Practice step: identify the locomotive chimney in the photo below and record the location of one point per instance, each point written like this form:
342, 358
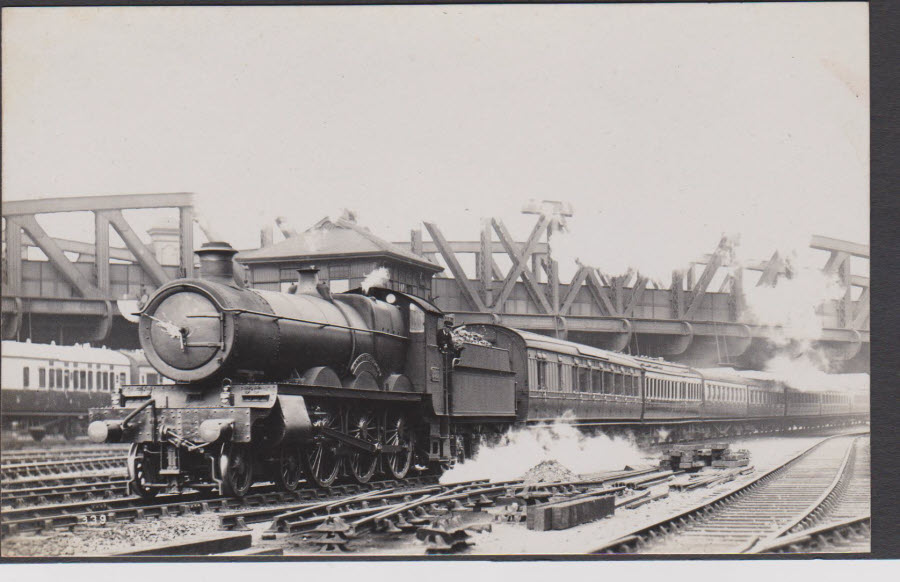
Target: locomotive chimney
309, 280
216, 262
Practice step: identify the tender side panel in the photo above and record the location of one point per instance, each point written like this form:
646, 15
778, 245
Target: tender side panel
483, 383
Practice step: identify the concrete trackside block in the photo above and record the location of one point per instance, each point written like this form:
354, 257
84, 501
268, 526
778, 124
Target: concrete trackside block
566, 514
201, 545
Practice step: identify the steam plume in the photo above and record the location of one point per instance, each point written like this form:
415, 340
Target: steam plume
376, 278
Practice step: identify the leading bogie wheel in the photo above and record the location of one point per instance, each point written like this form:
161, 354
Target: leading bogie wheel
236, 469
321, 462
397, 433
364, 426
143, 469
290, 468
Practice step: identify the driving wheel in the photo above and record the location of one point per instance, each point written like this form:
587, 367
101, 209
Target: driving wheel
320, 459
362, 425
236, 468
397, 433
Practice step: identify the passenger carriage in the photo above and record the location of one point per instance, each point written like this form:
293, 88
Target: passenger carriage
671, 390
49, 388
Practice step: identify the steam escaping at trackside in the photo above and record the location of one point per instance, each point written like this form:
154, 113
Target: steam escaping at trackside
376, 278
521, 449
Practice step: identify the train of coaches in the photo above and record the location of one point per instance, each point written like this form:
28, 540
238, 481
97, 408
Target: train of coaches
48, 389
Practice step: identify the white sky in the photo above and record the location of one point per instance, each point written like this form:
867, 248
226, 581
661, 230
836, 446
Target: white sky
665, 126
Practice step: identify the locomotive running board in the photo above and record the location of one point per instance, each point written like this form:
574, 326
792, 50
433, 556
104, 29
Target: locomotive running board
353, 393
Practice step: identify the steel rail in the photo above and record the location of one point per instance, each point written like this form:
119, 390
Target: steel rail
19, 470
696, 515
839, 477
60, 480
811, 540
65, 493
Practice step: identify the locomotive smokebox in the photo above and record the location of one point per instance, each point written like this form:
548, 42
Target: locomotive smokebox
216, 262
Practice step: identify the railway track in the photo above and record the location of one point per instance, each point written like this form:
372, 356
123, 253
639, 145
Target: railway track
38, 455
46, 518
29, 484
19, 470
806, 489
44, 495
443, 516
844, 536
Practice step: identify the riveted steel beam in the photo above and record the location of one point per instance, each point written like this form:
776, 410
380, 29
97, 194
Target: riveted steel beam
698, 292
13, 275
825, 243
86, 250
463, 247
520, 264
485, 264
94, 203
55, 255
636, 294
861, 313
143, 255
101, 253
459, 275
574, 287
599, 292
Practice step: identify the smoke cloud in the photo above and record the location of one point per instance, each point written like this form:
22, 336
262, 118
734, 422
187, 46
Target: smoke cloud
521, 449
376, 278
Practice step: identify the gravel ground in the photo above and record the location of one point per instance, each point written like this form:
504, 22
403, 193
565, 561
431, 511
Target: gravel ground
108, 539
765, 453
504, 538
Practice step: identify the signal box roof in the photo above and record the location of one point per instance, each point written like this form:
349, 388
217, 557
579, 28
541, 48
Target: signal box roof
334, 238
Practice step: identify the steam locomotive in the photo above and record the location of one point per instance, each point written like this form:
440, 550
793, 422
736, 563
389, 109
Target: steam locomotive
285, 386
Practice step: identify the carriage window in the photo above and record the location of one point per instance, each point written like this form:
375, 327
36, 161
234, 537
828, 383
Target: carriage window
25, 376
541, 375
584, 379
152, 379
59, 379
67, 379
565, 378
75, 379
122, 379
90, 378
42, 377
52, 375
596, 381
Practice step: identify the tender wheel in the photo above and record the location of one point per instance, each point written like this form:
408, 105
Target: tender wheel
398, 434
362, 425
290, 469
236, 468
320, 460
143, 469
